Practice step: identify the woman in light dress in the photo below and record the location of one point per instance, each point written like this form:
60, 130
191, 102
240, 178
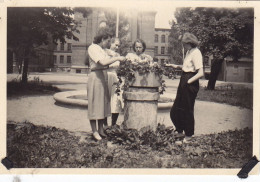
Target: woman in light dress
97, 88
116, 100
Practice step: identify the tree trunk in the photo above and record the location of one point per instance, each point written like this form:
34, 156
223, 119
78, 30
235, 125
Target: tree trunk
215, 69
25, 67
20, 62
9, 61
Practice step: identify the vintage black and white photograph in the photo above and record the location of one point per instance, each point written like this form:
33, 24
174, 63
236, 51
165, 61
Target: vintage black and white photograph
170, 87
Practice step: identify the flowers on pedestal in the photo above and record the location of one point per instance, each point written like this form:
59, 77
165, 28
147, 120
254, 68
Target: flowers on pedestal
142, 64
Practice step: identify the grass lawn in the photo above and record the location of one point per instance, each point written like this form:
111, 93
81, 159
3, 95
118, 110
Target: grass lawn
241, 97
16, 88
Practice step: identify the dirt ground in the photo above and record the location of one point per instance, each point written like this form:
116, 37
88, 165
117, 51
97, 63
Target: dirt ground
42, 110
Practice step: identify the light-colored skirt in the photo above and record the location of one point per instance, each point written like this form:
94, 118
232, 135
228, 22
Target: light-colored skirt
116, 100
98, 95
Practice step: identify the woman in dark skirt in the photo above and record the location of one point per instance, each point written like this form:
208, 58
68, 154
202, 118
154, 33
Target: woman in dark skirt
182, 111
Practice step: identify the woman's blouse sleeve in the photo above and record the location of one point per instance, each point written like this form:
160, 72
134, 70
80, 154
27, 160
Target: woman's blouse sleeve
96, 53
197, 59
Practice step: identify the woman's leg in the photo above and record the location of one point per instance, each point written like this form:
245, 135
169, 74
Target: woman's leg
114, 118
105, 122
191, 94
93, 125
94, 130
177, 111
101, 127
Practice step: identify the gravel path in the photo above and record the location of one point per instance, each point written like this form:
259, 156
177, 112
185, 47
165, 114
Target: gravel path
41, 110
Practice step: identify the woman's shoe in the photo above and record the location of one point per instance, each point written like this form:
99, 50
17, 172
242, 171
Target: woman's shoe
97, 136
178, 135
178, 142
187, 139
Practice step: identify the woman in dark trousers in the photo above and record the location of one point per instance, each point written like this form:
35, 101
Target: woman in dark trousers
182, 111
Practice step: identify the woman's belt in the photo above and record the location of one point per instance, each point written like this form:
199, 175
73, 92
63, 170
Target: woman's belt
192, 73
99, 69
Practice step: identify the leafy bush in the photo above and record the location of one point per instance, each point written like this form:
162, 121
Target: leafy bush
30, 146
36, 86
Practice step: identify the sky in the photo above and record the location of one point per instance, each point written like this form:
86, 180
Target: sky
163, 16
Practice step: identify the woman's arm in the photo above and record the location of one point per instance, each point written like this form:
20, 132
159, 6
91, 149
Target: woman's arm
109, 60
174, 66
97, 54
197, 76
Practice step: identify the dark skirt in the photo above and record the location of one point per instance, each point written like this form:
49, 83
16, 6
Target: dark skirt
182, 111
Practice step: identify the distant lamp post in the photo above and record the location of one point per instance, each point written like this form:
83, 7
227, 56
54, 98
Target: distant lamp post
117, 21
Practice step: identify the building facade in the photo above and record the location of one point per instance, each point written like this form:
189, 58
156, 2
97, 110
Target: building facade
62, 56
162, 48
141, 25
237, 71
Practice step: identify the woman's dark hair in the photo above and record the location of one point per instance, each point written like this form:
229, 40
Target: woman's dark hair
114, 39
139, 41
101, 35
193, 45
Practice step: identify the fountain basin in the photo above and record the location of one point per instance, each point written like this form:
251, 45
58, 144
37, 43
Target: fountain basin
79, 98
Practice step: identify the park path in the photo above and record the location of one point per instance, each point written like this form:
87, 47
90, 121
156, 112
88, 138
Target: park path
41, 110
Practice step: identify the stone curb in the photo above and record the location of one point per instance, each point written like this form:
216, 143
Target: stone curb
63, 97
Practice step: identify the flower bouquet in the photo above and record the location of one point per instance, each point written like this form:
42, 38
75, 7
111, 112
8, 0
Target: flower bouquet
135, 66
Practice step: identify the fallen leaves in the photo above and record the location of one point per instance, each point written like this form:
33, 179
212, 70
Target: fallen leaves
30, 146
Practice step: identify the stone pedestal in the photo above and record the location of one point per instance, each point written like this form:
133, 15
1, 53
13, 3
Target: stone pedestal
141, 102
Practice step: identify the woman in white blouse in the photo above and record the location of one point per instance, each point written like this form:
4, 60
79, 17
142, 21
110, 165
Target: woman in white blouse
182, 111
97, 89
116, 100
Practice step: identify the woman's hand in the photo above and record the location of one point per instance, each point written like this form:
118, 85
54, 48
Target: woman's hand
197, 76
121, 58
172, 65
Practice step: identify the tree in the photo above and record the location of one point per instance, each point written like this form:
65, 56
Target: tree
110, 15
29, 28
222, 31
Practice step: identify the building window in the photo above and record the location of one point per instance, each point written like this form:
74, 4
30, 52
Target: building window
156, 50
163, 39
69, 46
62, 47
156, 38
56, 47
61, 59
162, 50
54, 59
68, 59
235, 72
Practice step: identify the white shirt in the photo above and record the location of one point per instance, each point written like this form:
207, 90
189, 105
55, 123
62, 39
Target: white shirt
96, 54
192, 61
